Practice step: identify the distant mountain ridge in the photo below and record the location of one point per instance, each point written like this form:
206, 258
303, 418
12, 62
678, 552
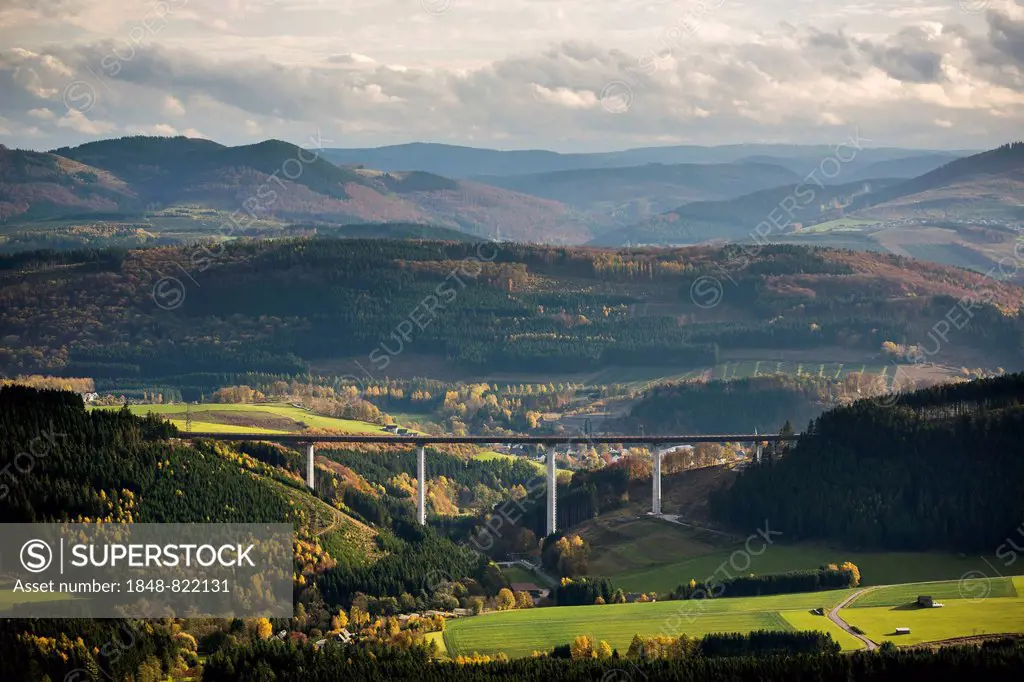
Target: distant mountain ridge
37, 185
737, 219
634, 192
271, 180
465, 162
991, 182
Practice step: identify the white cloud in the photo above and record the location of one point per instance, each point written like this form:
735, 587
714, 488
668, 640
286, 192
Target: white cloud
565, 97
173, 106
42, 114
80, 123
157, 129
523, 73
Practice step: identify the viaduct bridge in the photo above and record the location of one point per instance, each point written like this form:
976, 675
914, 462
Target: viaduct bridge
657, 443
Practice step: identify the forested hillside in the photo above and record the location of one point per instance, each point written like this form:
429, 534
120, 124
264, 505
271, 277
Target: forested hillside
132, 181
112, 465
285, 306
737, 219
1007, 160
739, 406
939, 469
34, 185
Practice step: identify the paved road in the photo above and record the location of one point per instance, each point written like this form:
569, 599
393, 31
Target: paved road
834, 616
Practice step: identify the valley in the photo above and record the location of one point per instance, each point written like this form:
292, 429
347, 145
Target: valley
142, 301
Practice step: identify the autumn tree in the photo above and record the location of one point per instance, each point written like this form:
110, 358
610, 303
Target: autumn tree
583, 647
505, 601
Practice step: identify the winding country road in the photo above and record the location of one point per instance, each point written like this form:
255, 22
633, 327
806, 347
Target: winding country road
834, 616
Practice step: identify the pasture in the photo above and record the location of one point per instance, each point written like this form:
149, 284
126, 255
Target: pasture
518, 574
645, 554
958, 618
971, 588
9, 598
490, 455
519, 633
261, 417
878, 613
805, 620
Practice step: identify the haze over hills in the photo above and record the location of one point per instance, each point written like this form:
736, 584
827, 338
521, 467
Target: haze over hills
986, 185
137, 190
966, 213
736, 219
466, 162
634, 192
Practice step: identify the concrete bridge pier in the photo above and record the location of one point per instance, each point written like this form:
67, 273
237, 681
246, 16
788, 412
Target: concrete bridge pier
310, 475
656, 453
421, 487
552, 501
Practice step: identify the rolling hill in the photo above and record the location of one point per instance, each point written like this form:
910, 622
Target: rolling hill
736, 219
987, 185
908, 167
267, 184
286, 306
635, 192
465, 162
35, 186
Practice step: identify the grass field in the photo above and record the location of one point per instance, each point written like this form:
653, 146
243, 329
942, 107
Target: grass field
518, 574
841, 224
261, 417
489, 455
970, 589
805, 620
213, 427
877, 568
645, 554
958, 618
519, 633
8, 598
438, 637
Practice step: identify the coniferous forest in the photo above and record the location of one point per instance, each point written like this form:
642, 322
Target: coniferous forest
937, 468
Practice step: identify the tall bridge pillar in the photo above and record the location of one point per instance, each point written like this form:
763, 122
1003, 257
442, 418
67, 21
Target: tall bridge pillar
656, 480
310, 477
421, 487
552, 493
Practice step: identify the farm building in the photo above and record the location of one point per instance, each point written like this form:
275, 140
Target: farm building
532, 589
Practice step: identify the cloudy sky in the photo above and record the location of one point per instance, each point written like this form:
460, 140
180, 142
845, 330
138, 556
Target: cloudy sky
570, 75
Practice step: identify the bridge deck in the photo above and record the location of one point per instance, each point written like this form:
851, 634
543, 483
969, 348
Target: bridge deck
487, 440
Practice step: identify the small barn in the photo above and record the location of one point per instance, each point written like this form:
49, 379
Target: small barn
535, 591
